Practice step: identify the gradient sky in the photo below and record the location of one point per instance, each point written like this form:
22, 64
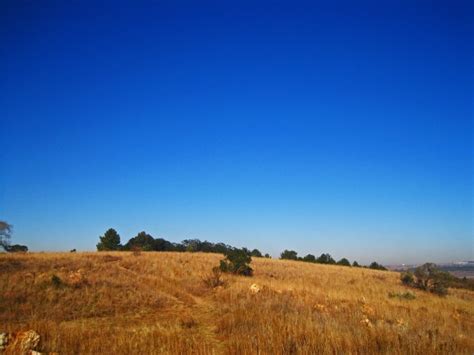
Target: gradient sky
343, 128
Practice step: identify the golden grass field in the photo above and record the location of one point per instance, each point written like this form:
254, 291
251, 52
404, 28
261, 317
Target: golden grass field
157, 302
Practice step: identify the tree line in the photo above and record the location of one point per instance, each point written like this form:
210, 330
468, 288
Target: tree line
326, 258
145, 242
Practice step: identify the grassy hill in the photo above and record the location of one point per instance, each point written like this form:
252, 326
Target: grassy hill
121, 303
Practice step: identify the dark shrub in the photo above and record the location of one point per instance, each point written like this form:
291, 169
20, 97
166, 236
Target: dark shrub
439, 288
237, 262
56, 281
407, 278
355, 264
427, 277
16, 248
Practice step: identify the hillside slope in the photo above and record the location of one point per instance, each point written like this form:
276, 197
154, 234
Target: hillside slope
121, 303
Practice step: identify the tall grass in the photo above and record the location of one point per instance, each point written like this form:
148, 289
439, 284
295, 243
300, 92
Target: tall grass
120, 303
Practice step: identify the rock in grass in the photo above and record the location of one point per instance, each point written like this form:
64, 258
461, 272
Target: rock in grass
254, 288
3, 340
23, 342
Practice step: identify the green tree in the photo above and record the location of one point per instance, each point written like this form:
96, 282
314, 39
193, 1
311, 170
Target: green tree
310, 258
377, 266
325, 259
256, 253
289, 255
355, 264
344, 262
237, 262
192, 244
142, 241
5, 234
109, 241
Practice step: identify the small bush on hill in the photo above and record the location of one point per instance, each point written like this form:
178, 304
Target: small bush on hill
237, 262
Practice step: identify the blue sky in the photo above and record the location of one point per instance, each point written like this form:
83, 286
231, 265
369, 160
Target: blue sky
319, 127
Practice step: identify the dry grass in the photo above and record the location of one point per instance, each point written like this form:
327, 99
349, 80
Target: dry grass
120, 303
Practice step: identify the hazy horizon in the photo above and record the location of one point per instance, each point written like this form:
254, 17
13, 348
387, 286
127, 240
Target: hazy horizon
338, 128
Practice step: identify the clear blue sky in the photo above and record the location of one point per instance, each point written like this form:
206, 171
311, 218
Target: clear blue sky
343, 128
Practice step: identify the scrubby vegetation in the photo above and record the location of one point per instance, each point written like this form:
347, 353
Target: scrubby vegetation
214, 279
143, 241
402, 295
428, 277
16, 248
117, 303
237, 261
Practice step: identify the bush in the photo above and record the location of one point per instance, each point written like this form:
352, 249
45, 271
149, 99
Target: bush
214, 279
407, 278
56, 281
237, 262
427, 277
439, 289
